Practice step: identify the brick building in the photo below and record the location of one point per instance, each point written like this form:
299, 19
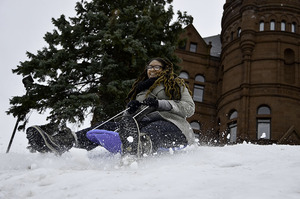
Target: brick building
246, 81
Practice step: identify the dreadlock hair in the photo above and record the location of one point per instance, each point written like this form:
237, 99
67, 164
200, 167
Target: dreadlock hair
170, 80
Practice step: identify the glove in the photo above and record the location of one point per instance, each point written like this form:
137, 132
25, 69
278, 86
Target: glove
151, 102
133, 106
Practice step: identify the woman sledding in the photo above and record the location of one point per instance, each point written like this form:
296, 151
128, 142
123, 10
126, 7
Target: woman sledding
159, 103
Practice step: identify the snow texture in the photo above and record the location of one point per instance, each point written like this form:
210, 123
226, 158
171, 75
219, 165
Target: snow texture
231, 172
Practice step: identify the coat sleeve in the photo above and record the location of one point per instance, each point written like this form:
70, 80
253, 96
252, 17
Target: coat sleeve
185, 107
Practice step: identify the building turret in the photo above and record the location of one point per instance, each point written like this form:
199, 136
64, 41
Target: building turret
259, 95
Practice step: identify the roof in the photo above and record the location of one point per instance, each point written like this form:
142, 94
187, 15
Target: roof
216, 45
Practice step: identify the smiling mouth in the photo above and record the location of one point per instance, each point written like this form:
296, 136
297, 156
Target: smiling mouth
153, 74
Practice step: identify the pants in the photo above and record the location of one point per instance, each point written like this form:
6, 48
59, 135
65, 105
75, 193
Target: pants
162, 133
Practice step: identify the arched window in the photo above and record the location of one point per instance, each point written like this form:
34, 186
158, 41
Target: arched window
263, 110
231, 36
261, 26
263, 122
239, 31
195, 125
272, 25
184, 75
200, 78
282, 25
289, 56
233, 115
289, 66
293, 28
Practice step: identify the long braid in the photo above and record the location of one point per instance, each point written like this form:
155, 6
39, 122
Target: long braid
132, 93
172, 85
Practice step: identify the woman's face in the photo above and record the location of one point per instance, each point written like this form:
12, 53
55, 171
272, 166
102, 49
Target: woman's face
154, 69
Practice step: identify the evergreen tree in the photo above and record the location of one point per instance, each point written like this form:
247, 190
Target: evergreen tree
92, 59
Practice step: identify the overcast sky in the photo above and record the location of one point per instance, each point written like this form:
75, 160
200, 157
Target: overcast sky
23, 24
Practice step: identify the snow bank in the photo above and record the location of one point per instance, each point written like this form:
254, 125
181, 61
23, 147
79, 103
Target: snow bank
238, 171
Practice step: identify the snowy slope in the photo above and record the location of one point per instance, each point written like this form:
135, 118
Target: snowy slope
241, 171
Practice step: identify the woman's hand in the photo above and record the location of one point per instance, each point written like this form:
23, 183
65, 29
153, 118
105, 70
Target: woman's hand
151, 102
133, 106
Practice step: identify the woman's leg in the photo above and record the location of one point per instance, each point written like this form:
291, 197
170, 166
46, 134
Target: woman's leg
164, 134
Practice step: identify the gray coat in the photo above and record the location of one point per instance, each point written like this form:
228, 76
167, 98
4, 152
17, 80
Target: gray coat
175, 111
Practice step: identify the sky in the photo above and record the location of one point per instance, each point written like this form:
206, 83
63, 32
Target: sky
24, 23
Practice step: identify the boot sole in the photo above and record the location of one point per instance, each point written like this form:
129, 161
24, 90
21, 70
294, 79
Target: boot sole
44, 138
130, 138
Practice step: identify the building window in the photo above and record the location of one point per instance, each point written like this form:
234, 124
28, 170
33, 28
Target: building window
263, 128
289, 56
239, 31
184, 75
199, 89
232, 132
182, 45
198, 93
219, 122
231, 36
199, 78
293, 28
272, 25
233, 115
283, 26
263, 122
232, 126
195, 125
263, 110
193, 47
262, 26
289, 66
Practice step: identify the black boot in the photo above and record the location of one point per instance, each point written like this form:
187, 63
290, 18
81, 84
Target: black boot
40, 140
129, 136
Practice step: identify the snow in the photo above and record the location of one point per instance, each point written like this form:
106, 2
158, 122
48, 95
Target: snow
264, 135
130, 139
235, 171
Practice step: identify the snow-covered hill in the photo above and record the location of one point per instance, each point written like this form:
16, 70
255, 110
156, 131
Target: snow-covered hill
244, 171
